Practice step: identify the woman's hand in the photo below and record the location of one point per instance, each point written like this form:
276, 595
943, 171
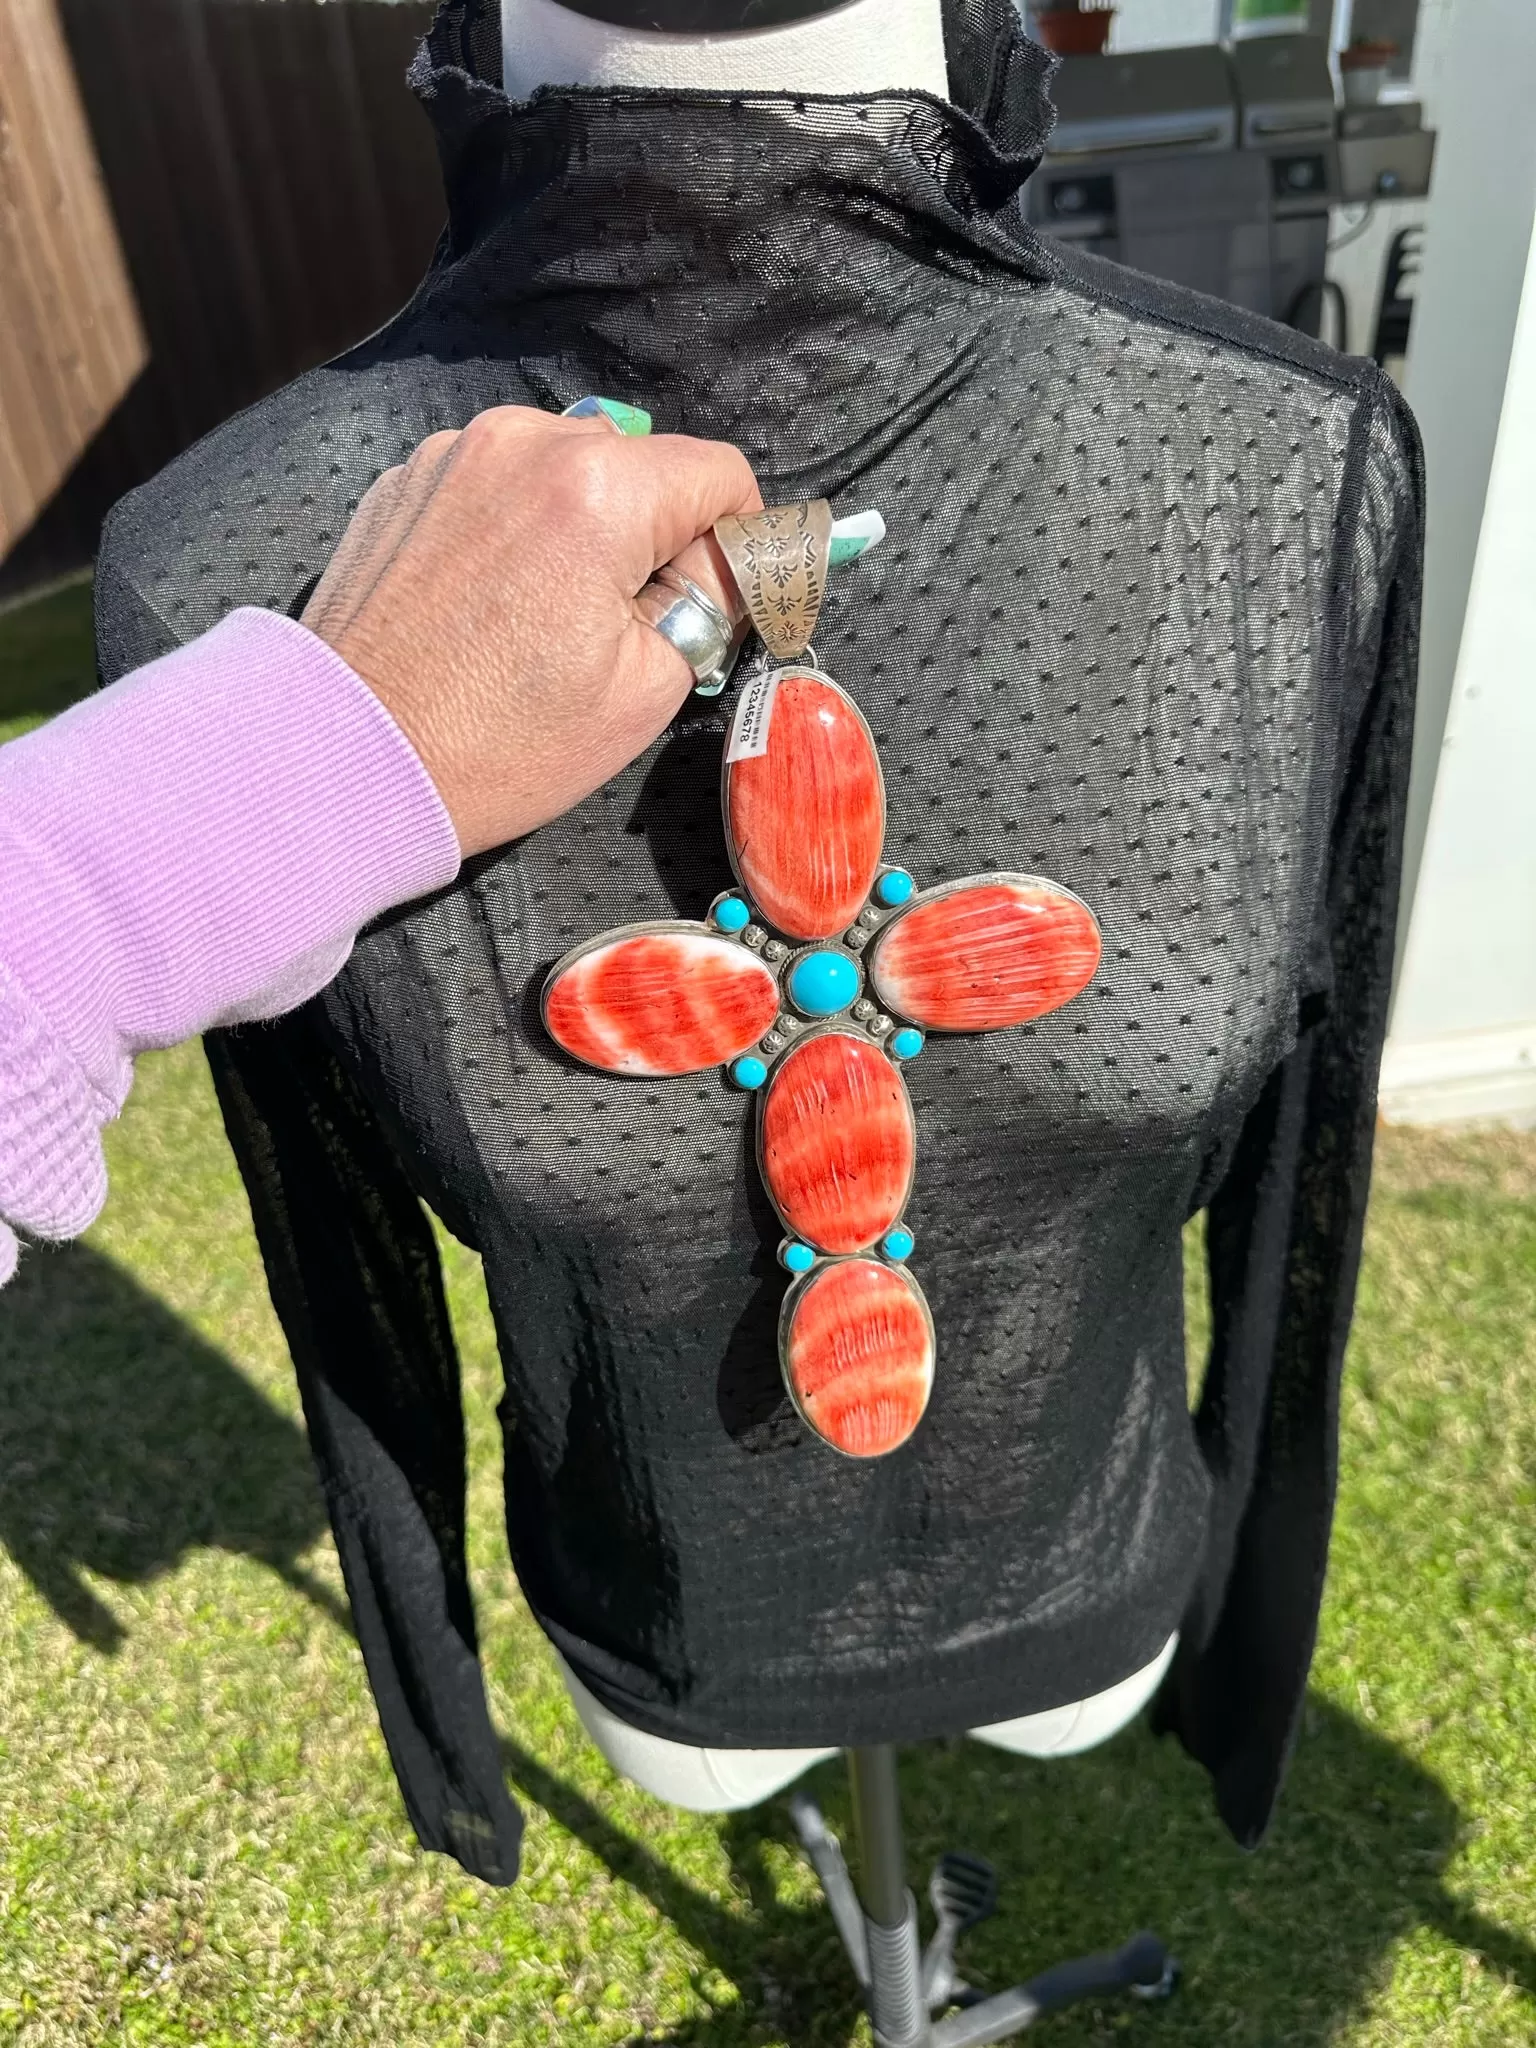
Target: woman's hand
485, 590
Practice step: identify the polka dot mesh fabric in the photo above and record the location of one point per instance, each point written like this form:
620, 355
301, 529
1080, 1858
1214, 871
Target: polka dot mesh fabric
1145, 623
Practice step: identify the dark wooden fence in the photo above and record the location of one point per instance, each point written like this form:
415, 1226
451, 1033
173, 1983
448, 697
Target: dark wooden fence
70, 344
277, 196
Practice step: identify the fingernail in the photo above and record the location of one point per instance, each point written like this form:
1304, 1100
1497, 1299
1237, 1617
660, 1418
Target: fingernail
629, 419
854, 536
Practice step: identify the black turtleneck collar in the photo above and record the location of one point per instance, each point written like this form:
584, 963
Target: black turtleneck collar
796, 272
972, 152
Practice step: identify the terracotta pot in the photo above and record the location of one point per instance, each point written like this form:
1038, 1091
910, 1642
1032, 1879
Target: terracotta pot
1365, 56
1070, 34
1363, 67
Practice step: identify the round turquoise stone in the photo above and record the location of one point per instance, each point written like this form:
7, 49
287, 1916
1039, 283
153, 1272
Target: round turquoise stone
731, 914
897, 1243
798, 1258
907, 1043
749, 1072
893, 887
821, 984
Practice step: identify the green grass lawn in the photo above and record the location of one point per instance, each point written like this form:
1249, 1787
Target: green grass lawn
47, 655
200, 1839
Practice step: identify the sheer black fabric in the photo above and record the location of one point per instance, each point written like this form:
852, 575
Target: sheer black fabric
1145, 623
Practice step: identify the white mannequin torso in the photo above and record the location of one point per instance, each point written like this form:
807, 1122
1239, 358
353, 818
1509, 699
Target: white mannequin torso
861, 47
726, 1780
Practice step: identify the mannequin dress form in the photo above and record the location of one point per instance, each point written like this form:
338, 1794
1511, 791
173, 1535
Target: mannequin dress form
1201, 727
860, 47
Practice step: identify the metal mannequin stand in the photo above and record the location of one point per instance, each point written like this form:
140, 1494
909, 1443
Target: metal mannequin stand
906, 1986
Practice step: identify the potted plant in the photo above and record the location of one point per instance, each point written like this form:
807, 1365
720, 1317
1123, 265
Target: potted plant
1363, 67
1251, 18
1071, 29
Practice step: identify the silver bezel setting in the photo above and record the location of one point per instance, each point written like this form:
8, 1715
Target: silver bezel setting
871, 956
803, 952
671, 927
800, 1285
819, 939
776, 1068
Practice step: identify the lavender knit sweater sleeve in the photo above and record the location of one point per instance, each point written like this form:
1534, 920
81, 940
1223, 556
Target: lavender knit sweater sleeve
198, 844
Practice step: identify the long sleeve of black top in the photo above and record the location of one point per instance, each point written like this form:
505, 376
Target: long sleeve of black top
1285, 1221
355, 1278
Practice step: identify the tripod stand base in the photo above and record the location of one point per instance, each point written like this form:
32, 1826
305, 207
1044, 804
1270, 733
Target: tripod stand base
1143, 1967
906, 1989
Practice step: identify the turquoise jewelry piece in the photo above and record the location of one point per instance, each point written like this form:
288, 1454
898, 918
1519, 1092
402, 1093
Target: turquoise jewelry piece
813, 982
632, 420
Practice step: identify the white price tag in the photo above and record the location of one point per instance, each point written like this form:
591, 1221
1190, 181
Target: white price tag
754, 710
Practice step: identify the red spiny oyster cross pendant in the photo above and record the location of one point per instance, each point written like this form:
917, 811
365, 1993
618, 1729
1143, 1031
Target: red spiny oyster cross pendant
813, 983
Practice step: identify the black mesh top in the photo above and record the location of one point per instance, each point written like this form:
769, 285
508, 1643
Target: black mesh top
1145, 623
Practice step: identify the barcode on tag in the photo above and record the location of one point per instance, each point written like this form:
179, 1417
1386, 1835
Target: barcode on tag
754, 710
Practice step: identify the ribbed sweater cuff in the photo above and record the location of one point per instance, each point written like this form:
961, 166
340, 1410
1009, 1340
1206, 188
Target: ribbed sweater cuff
53, 1177
203, 840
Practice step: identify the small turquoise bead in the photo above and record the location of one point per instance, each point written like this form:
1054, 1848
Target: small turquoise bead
897, 1244
821, 984
731, 914
749, 1072
894, 887
907, 1043
798, 1258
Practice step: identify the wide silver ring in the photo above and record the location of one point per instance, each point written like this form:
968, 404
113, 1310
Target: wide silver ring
695, 625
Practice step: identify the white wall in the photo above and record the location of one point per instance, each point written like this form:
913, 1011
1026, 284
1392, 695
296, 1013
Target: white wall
1432, 47
1464, 1020
1464, 1026
1479, 233
1160, 24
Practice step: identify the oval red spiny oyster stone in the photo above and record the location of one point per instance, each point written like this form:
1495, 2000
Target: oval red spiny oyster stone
667, 1001
858, 1356
838, 1142
990, 953
807, 819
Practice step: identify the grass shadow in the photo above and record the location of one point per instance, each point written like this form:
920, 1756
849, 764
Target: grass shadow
126, 1441
790, 1955
1286, 1945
